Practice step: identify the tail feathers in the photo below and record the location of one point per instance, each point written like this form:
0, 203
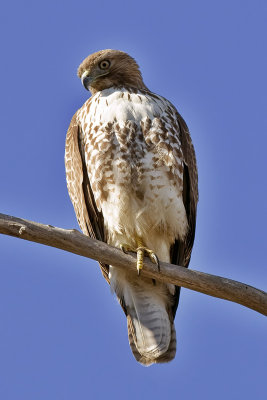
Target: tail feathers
146, 361
151, 333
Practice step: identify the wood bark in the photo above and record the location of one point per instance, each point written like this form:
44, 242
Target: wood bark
77, 243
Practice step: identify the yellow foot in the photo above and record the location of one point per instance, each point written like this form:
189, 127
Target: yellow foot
141, 251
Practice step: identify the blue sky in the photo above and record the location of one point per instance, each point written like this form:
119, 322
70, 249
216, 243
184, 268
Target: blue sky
62, 334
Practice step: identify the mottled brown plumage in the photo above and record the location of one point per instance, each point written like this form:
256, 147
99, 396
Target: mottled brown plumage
131, 173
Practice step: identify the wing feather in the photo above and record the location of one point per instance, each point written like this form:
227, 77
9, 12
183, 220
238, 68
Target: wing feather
89, 218
181, 250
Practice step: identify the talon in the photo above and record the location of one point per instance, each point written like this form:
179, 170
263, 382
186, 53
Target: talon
141, 252
154, 258
140, 260
122, 247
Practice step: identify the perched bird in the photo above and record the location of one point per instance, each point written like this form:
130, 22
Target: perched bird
132, 178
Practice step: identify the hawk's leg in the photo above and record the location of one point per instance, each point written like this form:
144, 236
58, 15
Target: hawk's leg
141, 251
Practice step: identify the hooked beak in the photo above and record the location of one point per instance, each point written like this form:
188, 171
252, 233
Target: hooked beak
86, 80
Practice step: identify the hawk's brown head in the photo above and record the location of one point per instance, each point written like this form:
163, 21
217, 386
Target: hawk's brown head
108, 68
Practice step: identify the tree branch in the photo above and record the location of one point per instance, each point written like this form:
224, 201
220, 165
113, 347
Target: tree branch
77, 243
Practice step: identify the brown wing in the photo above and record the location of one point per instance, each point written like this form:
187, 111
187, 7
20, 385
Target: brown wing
89, 218
181, 250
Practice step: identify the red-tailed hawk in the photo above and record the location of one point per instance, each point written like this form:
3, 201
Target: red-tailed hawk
132, 178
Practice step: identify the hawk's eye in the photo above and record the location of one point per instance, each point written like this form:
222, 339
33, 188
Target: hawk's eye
104, 64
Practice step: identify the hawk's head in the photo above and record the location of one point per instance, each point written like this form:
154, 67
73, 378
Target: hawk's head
108, 68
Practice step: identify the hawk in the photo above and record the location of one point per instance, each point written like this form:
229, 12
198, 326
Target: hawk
132, 178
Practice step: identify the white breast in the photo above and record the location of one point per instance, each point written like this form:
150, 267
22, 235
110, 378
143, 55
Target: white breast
120, 105
160, 209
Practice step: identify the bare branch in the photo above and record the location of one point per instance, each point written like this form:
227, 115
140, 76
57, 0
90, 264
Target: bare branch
75, 242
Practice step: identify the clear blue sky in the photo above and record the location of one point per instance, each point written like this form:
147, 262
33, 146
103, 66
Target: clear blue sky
62, 334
